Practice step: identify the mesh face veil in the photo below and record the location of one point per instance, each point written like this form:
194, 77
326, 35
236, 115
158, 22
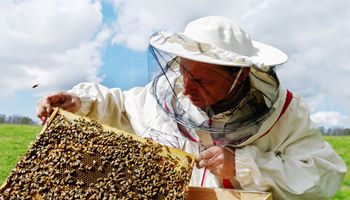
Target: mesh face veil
243, 118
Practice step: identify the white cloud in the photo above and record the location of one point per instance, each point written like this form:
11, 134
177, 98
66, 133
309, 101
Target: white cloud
138, 19
53, 43
329, 119
315, 35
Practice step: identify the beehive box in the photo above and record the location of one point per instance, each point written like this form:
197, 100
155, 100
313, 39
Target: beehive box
200, 193
78, 158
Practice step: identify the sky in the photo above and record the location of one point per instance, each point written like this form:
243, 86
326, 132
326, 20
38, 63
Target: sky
60, 43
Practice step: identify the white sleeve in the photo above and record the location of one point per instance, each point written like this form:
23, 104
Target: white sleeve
293, 162
103, 104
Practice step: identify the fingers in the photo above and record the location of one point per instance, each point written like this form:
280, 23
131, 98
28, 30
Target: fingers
208, 157
45, 106
43, 120
43, 110
218, 160
207, 153
64, 100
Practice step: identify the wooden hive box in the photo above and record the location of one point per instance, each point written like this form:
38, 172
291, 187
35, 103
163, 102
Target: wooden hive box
200, 193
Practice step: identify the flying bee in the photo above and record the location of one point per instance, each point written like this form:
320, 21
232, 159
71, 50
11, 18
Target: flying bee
35, 85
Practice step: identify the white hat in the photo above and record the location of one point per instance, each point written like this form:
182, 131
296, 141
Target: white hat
216, 40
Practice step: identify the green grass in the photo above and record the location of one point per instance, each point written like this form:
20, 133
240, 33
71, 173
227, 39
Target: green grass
341, 146
14, 142
16, 139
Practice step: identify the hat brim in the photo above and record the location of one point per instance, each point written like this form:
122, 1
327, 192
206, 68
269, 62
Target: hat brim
180, 45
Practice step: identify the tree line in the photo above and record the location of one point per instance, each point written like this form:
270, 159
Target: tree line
335, 131
16, 119
19, 119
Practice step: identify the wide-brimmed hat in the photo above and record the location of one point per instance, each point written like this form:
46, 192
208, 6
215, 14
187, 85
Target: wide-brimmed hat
216, 40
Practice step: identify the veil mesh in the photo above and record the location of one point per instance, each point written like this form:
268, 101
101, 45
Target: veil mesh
236, 124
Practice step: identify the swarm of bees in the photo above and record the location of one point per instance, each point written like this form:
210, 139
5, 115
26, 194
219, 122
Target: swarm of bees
81, 159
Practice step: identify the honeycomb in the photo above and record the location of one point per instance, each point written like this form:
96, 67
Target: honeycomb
79, 158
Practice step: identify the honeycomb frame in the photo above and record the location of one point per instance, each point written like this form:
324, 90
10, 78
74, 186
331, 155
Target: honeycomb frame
76, 157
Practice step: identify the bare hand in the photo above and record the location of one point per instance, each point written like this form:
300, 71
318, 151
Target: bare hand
64, 100
220, 161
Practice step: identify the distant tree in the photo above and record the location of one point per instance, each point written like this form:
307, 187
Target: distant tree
9, 120
322, 129
347, 131
2, 118
16, 119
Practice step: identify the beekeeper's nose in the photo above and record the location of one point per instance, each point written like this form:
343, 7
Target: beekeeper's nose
188, 84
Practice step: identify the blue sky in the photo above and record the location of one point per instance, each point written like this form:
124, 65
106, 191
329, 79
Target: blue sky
59, 43
118, 60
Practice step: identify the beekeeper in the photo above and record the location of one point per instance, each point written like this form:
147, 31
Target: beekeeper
215, 94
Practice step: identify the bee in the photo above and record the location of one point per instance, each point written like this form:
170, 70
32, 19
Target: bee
35, 85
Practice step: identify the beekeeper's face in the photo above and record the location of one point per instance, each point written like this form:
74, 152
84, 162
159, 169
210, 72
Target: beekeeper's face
205, 84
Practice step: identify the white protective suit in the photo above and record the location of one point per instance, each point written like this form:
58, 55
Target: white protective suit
287, 156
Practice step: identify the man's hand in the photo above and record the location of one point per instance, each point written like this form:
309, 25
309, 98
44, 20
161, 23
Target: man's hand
220, 161
64, 100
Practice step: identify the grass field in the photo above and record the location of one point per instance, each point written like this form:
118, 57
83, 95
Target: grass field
341, 145
15, 141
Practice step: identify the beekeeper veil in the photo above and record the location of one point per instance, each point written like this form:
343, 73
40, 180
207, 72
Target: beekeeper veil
214, 40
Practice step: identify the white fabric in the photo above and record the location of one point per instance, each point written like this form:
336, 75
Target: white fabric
216, 40
220, 32
292, 160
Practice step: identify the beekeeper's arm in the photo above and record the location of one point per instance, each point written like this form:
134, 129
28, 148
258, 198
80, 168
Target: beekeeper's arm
297, 164
101, 103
